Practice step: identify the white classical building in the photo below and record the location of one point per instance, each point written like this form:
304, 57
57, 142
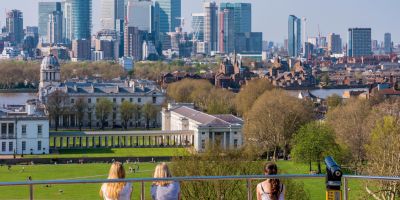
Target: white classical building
223, 130
24, 130
139, 92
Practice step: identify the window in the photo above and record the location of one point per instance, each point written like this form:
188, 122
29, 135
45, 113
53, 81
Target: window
203, 144
23, 129
10, 128
89, 100
235, 143
115, 100
39, 145
23, 146
3, 146
139, 100
203, 133
72, 101
39, 130
131, 100
123, 99
10, 146
235, 133
154, 99
3, 128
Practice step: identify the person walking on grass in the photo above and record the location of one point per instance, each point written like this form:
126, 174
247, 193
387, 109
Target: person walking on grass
164, 190
117, 190
270, 189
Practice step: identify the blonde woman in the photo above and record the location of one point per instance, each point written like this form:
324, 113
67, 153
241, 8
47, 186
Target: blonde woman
118, 190
164, 190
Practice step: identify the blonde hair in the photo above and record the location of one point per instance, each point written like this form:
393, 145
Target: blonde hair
162, 171
113, 190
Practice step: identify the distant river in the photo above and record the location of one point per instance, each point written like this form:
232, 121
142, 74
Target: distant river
15, 98
324, 93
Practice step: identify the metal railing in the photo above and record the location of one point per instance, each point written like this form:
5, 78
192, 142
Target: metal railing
247, 178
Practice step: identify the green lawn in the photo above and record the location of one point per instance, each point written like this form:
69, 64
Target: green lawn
114, 152
316, 187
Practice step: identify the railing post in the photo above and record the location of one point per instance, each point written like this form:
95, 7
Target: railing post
142, 191
30, 191
249, 190
345, 189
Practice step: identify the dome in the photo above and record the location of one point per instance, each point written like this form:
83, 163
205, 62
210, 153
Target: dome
50, 62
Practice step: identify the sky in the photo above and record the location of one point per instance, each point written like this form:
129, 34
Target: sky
270, 16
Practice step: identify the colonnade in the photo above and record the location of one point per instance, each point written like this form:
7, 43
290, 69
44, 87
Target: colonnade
120, 141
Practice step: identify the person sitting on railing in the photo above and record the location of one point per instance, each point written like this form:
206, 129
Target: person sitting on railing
117, 190
164, 190
270, 189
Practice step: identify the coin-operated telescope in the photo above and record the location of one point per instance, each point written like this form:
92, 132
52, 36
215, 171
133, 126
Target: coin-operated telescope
333, 179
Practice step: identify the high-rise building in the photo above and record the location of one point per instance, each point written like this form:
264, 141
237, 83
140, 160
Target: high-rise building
45, 9
226, 39
34, 32
78, 19
359, 43
111, 10
242, 15
334, 43
133, 42
107, 44
67, 25
138, 14
250, 42
211, 25
375, 45
198, 26
14, 26
388, 43
81, 50
294, 36
169, 12
55, 28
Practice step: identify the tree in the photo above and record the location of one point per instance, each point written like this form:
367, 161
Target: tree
384, 158
57, 105
150, 112
334, 101
185, 90
325, 79
350, 123
127, 110
80, 109
103, 109
249, 94
273, 119
313, 142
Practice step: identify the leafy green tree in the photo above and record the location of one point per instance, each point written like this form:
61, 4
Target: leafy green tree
127, 110
383, 158
103, 109
57, 105
80, 110
313, 142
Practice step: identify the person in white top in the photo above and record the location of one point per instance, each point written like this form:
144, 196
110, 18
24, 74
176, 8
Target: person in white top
270, 189
118, 190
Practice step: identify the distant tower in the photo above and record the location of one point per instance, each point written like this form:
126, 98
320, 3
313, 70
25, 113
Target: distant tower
294, 36
211, 25
388, 43
55, 28
14, 26
49, 74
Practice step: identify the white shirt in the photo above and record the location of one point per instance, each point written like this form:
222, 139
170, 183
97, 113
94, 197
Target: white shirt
125, 193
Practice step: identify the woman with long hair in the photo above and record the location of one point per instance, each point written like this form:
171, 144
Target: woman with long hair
270, 189
164, 190
117, 190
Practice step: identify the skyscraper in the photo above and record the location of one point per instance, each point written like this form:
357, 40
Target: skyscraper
198, 26
294, 36
111, 10
14, 26
359, 43
46, 8
138, 14
169, 12
78, 19
211, 25
388, 43
55, 28
334, 43
226, 32
241, 15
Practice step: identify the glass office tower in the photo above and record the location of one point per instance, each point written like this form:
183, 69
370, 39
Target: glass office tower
359, 43
46, 8
111, 11
242, 15
81, 19
198, 26
169, 14
294, 36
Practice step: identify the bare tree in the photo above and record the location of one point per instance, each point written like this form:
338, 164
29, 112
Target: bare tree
127, 112
80, 108
103, 109
150, 113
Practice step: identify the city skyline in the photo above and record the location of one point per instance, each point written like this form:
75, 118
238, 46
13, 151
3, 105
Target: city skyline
337, 19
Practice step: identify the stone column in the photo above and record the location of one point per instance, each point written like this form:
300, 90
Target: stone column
55, 142
100, 141
73, 142
80, 142
93, 142
61, 142
137, 140
67, 142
